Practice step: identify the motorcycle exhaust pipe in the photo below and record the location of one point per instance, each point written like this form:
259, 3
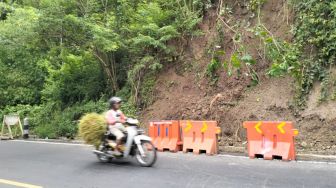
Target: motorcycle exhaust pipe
98, 152
101, 153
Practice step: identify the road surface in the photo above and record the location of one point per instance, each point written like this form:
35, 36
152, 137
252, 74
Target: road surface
36, 165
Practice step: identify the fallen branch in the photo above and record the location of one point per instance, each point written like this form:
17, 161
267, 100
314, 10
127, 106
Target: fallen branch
236, 135
215, 99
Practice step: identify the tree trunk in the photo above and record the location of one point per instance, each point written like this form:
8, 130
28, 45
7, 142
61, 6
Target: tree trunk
109, 66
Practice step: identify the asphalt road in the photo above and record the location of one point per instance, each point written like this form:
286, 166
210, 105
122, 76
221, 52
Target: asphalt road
44, 165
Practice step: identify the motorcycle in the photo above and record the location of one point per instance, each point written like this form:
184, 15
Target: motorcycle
135, 144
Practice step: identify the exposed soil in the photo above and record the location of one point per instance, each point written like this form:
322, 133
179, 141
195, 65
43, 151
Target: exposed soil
183, 91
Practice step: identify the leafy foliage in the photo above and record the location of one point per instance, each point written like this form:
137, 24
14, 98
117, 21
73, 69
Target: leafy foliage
311, 55
65, 57
21, 78
239, 59
315, 34
79, 78
284, 56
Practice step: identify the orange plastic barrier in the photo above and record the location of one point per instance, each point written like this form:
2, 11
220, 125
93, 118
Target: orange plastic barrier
200, 136
271, 139
166, 135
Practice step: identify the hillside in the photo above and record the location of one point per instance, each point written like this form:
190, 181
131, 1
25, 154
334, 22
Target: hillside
183, 92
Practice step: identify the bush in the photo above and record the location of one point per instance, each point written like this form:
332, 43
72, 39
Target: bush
50, 120
45, 131
53, 122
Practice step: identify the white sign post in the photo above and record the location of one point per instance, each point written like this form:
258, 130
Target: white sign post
11, 121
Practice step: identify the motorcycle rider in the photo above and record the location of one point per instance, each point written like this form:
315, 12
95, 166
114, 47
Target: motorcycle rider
115, 119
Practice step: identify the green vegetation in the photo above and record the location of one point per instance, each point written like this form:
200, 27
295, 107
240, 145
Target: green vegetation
60, 59
311, 55
315, 34
308, 58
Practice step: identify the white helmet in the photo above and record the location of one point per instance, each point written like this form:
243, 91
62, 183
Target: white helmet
115, 100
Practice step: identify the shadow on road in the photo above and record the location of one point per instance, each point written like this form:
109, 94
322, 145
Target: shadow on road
116, 164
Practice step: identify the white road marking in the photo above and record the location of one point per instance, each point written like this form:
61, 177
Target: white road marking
18, 184
232, 156
46, 142
317, 162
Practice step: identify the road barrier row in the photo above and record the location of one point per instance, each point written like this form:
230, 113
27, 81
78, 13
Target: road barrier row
187, 136
266, 139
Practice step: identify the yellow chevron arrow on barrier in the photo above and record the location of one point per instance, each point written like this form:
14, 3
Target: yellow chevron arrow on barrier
257, 127
189, 126
204, 128
280, 127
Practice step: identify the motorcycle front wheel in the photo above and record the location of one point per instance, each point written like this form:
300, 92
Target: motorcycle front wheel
149, 157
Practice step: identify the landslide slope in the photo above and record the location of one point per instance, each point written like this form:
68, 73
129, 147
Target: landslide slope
183, 91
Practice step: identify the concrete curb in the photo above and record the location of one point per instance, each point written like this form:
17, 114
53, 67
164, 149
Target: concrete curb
315, 157
300, 156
